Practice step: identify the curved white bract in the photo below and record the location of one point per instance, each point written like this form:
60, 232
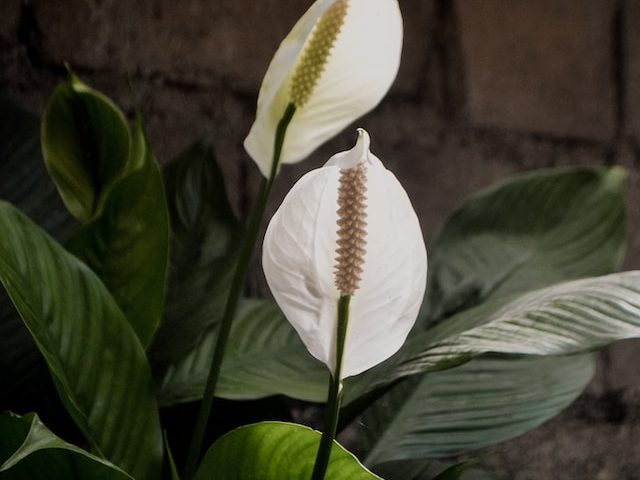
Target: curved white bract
300, 260
336, 64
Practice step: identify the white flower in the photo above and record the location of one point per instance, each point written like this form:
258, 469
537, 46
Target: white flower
348, 228
335, 65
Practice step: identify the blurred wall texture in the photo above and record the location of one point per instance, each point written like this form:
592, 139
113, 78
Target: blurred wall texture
487, 88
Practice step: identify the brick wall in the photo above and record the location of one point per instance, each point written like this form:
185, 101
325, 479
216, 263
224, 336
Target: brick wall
487, 88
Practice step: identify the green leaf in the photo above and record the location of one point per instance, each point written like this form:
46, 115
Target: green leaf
128, 244
485, 401
528, 232
430, 470
30, 451
274, 451
264, 356
203, 252
85, 143
566, 318
96, 361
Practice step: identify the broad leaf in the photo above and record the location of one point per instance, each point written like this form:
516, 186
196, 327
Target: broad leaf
264, 357
128, 244
430, 470
30, 451
85, 143
274, 451
488, 400
566, 318
204, 242
95, 358
528, 232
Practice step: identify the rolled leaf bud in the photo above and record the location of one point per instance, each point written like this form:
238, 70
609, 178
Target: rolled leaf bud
336, 64
348, 228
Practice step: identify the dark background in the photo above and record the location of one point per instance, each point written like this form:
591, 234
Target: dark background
487, 88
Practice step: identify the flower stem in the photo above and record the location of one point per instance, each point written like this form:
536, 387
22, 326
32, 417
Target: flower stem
237, 285
335, 394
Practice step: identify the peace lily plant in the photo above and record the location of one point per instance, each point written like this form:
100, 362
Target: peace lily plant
125, 279
334, 66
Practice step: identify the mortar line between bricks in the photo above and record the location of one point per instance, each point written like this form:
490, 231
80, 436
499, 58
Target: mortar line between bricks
29, 36
618, 47
446, 40
419, 93
617, 52
555, 140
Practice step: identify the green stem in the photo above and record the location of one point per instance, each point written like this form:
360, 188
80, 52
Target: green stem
237, 285
335, 394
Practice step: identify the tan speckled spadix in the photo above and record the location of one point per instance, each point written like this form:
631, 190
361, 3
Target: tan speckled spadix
351, 241
317, 52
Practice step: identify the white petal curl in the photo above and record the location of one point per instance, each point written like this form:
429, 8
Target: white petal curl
299, 255
359, 71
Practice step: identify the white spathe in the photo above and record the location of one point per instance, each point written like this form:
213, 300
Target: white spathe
358, 72
299, 256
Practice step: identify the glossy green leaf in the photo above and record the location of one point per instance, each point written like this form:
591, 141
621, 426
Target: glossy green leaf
528, 232
204, 242
85, 144
95, 359
485, 401
264, 356
431, 470
30, 451
275, 451
566, 318
128, 244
